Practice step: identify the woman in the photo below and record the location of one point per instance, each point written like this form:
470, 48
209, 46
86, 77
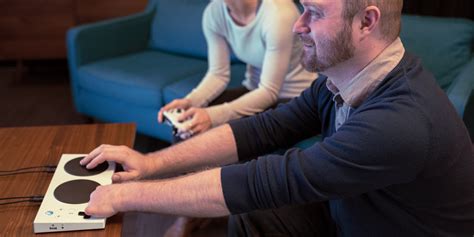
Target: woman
259, 32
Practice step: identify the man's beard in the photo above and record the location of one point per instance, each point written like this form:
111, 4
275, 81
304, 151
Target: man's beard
327, 52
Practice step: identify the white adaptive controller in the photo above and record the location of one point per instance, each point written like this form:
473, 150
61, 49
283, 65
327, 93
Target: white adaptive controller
171, 118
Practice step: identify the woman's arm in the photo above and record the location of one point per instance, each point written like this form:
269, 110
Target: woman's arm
279, 44
218, 74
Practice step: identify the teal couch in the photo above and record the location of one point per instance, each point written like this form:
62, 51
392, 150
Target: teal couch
124, 70
446, 47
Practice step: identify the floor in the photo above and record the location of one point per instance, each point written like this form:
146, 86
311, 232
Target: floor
42, 96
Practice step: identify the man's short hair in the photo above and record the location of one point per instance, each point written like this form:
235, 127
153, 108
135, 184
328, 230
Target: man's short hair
391, 10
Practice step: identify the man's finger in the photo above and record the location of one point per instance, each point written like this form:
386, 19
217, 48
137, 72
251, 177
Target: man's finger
96, 161
110, 154
116, 178
122, 176
89, 211
92, 154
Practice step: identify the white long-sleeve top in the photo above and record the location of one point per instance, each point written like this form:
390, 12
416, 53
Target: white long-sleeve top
267, 45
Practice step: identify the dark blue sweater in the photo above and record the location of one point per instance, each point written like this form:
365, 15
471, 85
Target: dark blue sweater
401, 165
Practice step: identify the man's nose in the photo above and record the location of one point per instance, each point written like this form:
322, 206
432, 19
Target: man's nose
300, 26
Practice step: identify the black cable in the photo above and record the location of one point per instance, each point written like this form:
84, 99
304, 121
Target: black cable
46, 167
8, 203
27, 172
33, 199
34, 169
9, 198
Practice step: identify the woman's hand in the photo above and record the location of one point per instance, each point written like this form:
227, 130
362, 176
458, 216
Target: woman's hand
199, 120
175, 104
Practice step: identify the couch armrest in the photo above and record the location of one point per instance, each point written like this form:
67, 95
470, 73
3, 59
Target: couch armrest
460, 91
105, 39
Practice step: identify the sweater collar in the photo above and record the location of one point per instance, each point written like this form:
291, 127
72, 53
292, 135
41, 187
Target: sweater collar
356, 90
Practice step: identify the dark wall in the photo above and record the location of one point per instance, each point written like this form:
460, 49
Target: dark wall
443, 8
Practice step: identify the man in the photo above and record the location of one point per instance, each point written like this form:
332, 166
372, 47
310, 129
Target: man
396, 160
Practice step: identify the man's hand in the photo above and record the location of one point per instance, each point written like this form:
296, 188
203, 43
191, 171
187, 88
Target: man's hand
136, 165
198, 194
175, 104
200, 120
104, 201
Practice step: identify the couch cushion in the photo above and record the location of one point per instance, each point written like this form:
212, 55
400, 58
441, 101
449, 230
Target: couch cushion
117, 111
181, 88
444, 44
177, 28
138, 78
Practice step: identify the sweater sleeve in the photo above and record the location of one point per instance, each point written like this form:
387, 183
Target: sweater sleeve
375, 148
218, 74
278, 36
281, 127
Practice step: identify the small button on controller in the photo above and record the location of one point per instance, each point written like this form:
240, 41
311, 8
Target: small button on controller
84, 215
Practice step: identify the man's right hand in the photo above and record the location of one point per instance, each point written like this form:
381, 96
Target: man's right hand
136, 165
175, 104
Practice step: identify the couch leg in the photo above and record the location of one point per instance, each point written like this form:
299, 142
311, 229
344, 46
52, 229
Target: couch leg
89, 120
20, 70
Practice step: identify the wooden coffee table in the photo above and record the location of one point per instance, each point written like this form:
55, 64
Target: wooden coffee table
38, 146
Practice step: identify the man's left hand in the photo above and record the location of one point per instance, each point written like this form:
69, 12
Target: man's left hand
105, 201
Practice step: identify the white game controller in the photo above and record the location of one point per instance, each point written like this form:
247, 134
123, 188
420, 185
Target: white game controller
171, 118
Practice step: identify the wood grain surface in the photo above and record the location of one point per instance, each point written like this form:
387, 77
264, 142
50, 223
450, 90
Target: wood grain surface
38, 146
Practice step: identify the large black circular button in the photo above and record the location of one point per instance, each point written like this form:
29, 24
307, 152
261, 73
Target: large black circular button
75, 191
75, 168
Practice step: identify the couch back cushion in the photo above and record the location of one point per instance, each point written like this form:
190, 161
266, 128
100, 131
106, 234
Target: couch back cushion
444, 44
176, 27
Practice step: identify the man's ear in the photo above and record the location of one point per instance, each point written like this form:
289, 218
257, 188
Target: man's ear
369, 20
